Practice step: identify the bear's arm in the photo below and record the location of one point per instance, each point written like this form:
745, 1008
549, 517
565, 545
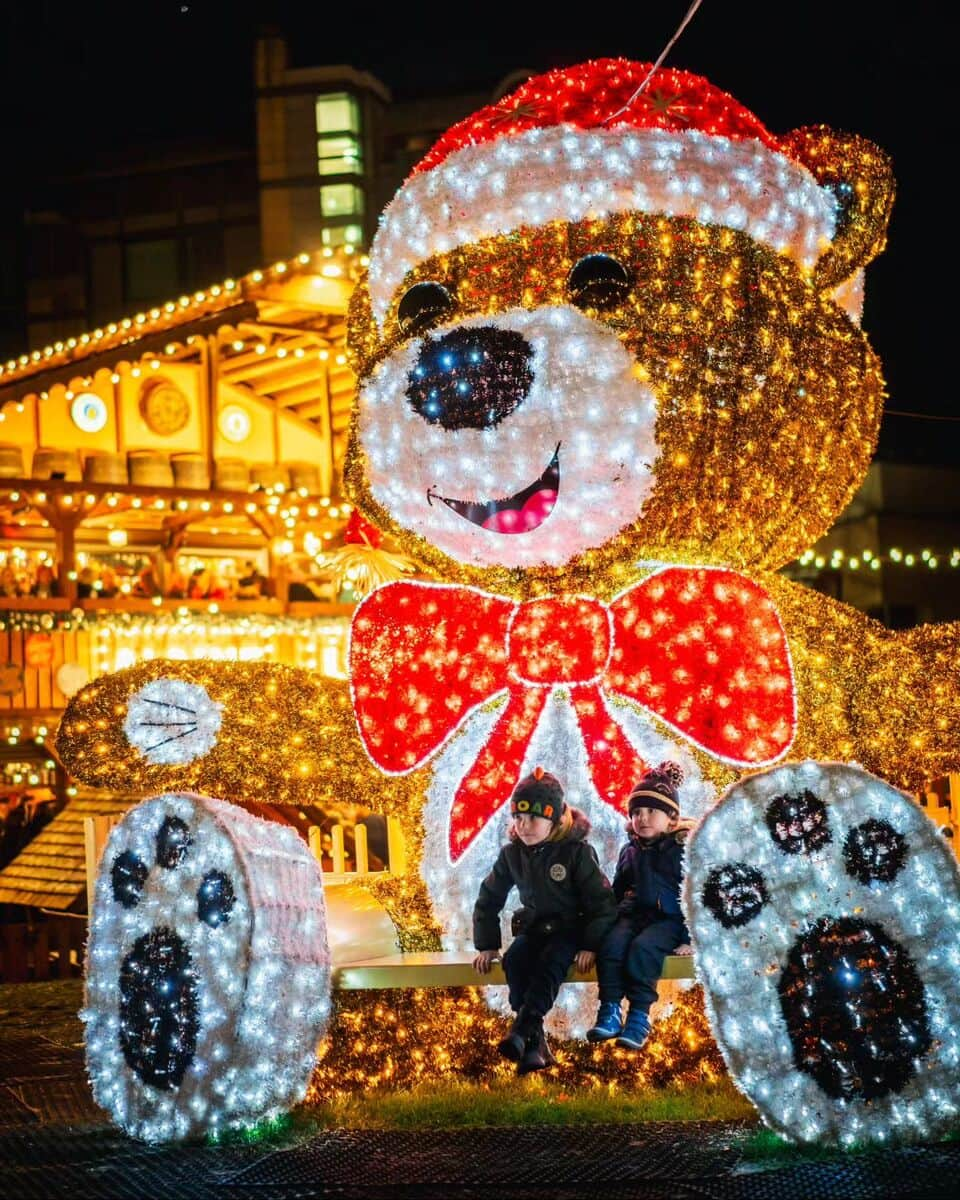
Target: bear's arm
241, 731
887, 699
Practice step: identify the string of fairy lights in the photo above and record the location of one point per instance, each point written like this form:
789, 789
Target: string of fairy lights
343, 262
867, 559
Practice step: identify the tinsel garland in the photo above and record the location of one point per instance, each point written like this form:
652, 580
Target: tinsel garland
395, 1039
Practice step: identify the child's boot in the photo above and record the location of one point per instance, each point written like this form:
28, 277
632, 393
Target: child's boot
635, 1030
536, 1055
515, 1043
608, 1023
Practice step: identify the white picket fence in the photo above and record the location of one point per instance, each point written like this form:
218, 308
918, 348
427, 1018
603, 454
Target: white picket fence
944, 811
96, 831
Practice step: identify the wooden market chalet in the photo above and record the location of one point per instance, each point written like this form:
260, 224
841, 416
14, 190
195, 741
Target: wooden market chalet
192, 440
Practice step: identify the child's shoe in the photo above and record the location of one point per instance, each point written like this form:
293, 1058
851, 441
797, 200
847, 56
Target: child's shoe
515, 1043
608, 1023
635, 1030
536, 1056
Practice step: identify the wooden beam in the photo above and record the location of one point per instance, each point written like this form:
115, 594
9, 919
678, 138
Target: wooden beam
309, 369
314, 390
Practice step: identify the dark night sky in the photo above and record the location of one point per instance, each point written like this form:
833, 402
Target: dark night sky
80, 79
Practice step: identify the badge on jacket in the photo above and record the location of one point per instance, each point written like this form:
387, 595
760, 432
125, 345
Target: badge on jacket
558, 872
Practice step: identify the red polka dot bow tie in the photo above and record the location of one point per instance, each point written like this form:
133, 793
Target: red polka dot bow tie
703, 649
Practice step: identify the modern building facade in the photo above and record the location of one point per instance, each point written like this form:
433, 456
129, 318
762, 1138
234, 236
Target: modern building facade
327, 150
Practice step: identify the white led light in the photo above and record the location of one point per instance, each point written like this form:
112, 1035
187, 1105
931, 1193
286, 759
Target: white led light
234, 423
578, 365
172, 721
752, 188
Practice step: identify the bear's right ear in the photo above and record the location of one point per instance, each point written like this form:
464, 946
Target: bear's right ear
860, 175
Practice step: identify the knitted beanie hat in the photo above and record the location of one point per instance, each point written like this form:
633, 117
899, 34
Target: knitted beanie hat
540, 794
657, 788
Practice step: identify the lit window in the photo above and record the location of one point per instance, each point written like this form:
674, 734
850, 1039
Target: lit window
337, 113
339, 155
341, 200
342, 235
338, 135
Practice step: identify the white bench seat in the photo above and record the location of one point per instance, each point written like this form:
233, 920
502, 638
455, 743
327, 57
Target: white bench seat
452, 968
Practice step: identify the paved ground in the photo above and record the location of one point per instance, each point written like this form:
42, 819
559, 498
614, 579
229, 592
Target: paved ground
54, 1143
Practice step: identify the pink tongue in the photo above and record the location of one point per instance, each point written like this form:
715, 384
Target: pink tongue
522, 520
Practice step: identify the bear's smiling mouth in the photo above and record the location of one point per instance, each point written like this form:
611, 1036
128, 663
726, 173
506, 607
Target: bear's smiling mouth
520, 513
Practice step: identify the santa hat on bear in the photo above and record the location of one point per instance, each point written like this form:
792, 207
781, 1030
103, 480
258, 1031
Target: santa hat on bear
590, 141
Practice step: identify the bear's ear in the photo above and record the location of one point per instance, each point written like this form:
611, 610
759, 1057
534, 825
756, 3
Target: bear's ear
860, 175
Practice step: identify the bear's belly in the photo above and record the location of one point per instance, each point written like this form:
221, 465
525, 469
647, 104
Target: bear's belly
557, 746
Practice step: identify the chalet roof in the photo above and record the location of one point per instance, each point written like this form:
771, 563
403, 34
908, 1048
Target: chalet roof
300, 294
50, 872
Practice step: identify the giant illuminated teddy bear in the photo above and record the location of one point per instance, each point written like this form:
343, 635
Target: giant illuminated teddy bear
610, 379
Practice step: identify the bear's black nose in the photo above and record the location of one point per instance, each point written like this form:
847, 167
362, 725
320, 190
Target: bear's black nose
471, 378
855, 1008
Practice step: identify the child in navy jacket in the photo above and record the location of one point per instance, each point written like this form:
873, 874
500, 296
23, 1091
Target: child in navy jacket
650, 923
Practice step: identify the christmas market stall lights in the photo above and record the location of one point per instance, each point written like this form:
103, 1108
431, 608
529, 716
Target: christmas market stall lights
608, 382
168, 490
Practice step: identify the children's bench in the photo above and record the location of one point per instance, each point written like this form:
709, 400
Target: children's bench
452, 968
365, 958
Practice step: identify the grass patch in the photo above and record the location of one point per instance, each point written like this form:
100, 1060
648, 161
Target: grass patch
766, 1148
503, 1102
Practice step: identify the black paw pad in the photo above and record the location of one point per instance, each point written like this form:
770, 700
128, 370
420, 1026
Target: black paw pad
127, 877
215, 899
173, 842
735, 893
874, 852
855, 1009
798, 824
159, 1018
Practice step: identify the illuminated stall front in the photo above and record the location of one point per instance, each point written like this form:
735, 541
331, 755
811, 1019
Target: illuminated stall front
169, 488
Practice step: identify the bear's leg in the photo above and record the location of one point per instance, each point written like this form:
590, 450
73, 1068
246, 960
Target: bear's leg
824, 909
208, 969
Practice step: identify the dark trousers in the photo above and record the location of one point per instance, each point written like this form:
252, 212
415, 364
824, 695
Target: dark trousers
535, 968
631, 959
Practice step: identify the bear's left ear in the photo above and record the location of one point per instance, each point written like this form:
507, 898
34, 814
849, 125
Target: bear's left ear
860, 175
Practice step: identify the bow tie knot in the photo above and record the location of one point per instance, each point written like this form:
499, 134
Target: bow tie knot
559, 640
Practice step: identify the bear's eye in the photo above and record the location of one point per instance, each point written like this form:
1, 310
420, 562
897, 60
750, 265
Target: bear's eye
423, 305
599, 281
